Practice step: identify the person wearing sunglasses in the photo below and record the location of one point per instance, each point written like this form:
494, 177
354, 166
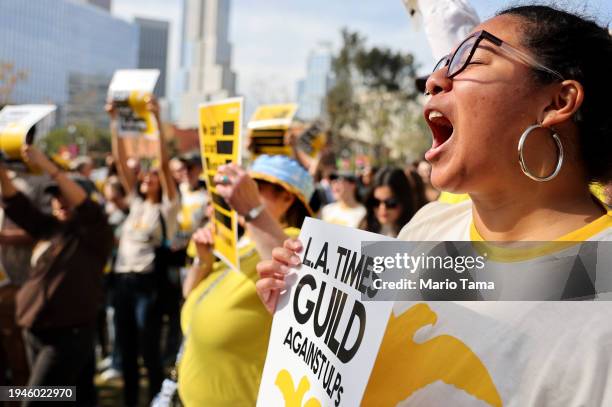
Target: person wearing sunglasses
391, 202
519, 113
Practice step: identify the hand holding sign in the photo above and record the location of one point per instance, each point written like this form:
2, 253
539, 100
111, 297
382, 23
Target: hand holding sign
272, 272
237, 188
35, 158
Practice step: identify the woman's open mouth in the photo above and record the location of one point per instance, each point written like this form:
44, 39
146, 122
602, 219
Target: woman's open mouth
441, 128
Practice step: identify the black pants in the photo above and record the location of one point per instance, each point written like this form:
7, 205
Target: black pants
138, 325
62, 357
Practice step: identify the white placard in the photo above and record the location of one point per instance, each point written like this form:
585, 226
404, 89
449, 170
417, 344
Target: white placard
17, 121
24, 116
134, 79
129, 89
331, 364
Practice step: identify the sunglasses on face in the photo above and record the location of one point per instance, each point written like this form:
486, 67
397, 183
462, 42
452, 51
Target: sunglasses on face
390, 203
461, 58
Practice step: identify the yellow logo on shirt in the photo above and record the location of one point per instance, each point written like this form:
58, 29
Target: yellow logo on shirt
404, 366
293, 397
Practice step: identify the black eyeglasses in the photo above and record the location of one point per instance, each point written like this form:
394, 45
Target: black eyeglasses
390, 203
461, 58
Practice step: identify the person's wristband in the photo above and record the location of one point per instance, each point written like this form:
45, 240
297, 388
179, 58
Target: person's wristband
254, 213
199, 264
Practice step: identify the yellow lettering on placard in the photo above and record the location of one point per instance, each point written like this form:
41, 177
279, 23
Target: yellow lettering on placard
404, 366
293, 397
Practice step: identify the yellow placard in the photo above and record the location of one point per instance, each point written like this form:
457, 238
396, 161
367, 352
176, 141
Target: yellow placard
312, 140
21, 124
267, 129
134, 118
12, 138
220, 137
130, 89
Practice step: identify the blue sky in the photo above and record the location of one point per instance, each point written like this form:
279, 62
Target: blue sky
272, 38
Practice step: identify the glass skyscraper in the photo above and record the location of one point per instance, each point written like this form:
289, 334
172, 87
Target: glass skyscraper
153, 49
312, 90
68, 50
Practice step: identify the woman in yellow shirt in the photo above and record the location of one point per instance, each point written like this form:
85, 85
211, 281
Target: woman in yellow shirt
521, 124
226, 327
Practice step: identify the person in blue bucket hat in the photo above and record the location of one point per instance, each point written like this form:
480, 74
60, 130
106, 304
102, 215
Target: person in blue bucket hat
226, 326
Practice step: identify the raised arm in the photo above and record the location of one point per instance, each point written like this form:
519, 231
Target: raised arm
7, 186
241, 193
21, 211
203, 239
126, 176
167, 183
71, 191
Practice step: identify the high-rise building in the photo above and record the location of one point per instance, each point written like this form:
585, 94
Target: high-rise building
312, 90
68, 53
206, 59
103, 4
153, 49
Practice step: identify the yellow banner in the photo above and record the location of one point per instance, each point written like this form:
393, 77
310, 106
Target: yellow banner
267, 129
220, 136
12, 138
134, 118
22, 124
312, 140
130, 89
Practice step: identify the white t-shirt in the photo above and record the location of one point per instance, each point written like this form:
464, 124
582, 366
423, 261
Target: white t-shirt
141, 234
511, 354
340, 214
191, 214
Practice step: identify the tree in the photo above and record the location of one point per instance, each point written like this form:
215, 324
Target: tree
81, 134
372, 93
342, 109
9, 78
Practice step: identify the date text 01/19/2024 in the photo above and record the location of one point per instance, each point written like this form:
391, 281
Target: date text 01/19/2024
37, 393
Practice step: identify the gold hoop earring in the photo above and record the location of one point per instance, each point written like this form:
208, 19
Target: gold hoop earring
521, 146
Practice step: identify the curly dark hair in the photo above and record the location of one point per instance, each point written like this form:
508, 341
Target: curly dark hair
579, 49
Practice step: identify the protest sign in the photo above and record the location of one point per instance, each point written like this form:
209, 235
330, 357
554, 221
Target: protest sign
220, 137
267, 129
312, 140
324, 338
130, 90
20, 125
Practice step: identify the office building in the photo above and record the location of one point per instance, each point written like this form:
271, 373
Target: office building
312, 90
103, 4
206, 59
68, 52
153, 49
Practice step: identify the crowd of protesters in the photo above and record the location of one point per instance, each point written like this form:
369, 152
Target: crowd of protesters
108, 273
107, 263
